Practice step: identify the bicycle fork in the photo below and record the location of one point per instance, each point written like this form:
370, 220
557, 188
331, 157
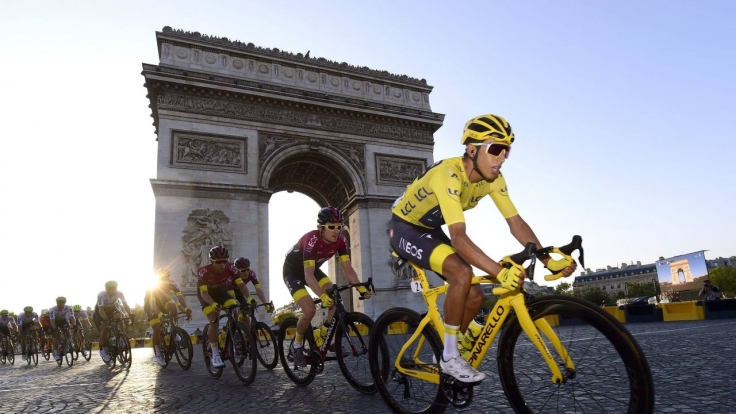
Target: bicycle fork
530, 328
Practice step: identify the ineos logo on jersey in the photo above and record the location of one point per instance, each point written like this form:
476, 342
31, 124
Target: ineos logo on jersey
410, 248
311, 243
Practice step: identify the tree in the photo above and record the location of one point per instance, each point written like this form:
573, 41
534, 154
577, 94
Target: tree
595, 295
725, 278
563, 288
641, 289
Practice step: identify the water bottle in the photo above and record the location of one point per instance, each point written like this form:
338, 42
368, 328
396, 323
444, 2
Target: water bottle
320, 334
473, 332
222, 337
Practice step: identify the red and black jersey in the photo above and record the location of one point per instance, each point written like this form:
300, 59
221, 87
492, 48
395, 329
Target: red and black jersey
249, 276
313, 250
206, 276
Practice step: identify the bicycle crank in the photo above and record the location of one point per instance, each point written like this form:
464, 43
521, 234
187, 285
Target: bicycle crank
459, 394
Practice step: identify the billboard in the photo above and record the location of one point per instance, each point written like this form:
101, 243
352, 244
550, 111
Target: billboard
684, 272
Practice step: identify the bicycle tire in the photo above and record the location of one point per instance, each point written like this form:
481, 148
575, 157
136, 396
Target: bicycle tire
182, 348
32, 352
265, 341
164, 350
3, 352
243, 354
11, 353
46, 349
601, 348
301, 376
402, 394
207, 354
88, 347
68, 350
125, 355
351, 349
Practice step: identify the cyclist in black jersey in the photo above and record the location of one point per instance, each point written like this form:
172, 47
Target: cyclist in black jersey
438, 197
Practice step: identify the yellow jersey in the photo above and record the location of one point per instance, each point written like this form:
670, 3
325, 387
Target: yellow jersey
441, 194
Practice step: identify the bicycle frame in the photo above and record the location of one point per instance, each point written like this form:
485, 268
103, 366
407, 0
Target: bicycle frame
509, 299
337, 318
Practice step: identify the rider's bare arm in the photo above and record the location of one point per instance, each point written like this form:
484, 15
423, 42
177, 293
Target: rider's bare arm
470, 252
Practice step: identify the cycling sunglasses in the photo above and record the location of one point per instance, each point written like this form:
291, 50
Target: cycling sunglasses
495, 148
245, 269
219, 261
333, 226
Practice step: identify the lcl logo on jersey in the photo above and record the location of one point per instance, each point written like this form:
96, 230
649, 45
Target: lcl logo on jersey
410, 248
422, 193
475, 200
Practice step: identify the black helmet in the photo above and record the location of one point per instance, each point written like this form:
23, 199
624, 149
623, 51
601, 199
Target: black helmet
219, 253
242, 263
329, 215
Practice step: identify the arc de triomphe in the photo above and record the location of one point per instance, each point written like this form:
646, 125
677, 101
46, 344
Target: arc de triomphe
236, 123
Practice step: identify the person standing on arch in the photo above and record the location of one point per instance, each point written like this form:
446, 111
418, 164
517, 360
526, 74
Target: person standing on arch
301, 269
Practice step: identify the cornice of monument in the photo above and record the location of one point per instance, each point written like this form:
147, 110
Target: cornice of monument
298, 58
208, 190
179, 75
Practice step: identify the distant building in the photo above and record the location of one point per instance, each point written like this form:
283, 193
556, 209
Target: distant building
613, 279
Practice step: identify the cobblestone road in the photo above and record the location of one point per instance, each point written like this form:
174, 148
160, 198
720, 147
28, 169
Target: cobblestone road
692, 362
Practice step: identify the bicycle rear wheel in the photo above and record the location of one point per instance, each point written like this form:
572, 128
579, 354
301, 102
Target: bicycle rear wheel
404, 394
125, 356
243, 354
301, 376
182, 348
207, 354
266, 346
351, 347
611, 372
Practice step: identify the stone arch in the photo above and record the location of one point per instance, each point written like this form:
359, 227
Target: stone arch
230, 136
326, 176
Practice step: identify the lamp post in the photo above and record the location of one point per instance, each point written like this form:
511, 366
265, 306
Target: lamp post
626, 289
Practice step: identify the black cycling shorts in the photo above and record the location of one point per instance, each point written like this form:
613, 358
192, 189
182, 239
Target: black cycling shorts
428, 248
294, 280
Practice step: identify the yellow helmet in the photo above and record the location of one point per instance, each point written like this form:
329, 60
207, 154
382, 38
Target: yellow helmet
485, 127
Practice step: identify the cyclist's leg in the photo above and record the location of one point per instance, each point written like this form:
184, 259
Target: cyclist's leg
325, 283
432, 249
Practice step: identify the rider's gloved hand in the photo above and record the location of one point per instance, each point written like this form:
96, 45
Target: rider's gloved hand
326, 300
253, 302
269, 307
509, 277
189, 314
363, 291
556, 266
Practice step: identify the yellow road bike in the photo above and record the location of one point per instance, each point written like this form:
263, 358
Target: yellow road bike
555, 353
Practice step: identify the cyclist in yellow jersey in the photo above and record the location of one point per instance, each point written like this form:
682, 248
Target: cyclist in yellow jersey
440, 196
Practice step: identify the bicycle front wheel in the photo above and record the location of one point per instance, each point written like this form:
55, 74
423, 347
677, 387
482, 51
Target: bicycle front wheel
215, 372
86, 349
266, 346
351, 348
183, 348
402, 393
33, 352
301, 376
243, 354
125, 356
46, 349
67, 349
11, 353
606, 371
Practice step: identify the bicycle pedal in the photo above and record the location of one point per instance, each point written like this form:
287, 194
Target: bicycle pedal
451, 381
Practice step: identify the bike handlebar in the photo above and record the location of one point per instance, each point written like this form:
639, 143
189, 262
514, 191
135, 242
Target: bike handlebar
334, 290
531, 252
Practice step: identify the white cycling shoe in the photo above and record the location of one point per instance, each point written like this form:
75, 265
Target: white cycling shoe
217, 361
461, 370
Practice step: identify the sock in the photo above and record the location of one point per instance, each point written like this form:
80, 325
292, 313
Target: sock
298, 339
215, 350
450, 342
